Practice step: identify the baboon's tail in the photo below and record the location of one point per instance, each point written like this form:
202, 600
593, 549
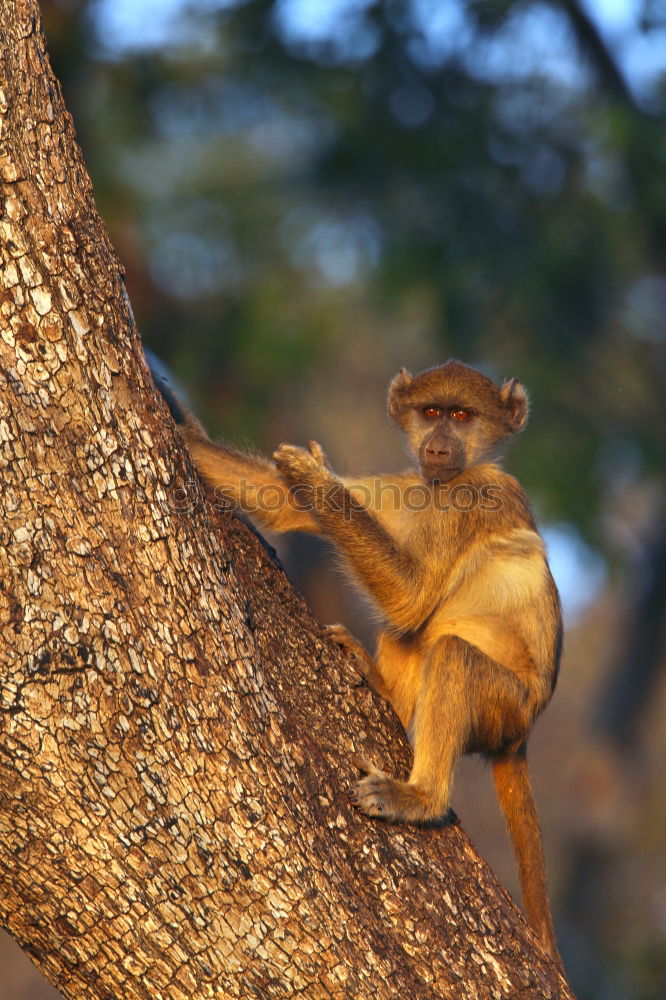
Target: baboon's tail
514, 791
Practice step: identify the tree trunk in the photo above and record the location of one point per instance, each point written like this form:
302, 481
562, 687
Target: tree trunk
176, 737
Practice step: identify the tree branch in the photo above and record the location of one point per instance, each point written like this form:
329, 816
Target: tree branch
594, 45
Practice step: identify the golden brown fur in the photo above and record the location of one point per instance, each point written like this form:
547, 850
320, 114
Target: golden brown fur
449, 552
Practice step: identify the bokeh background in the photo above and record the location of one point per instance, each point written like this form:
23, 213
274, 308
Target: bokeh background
308, 194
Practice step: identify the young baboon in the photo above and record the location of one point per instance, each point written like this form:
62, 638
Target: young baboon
469, 648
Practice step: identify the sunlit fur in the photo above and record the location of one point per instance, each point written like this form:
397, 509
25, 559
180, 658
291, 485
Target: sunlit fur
469, 648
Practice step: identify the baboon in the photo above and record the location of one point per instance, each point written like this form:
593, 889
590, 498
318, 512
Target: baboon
469, 646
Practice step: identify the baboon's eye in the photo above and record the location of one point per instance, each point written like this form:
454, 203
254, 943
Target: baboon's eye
459, 414
432, 412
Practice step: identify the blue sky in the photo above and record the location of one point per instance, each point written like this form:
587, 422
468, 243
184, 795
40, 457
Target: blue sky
535, 38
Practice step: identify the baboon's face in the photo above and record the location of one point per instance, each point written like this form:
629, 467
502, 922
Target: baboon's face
454, 417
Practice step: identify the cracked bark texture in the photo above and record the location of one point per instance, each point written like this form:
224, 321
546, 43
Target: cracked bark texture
176, 737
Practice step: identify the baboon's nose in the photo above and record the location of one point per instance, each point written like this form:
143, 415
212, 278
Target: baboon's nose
437, 451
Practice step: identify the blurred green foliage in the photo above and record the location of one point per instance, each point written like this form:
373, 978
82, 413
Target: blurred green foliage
254, 168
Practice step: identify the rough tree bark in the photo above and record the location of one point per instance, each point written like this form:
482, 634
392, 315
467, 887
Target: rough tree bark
176, 737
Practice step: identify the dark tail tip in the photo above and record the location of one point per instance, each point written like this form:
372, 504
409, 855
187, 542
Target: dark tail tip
164, 380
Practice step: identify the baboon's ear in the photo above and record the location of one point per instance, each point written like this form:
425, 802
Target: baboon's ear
515, 402
400, 383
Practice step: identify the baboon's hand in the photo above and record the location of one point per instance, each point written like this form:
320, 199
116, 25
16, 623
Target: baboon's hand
300, 465
340, 635
356, 652
318, 453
